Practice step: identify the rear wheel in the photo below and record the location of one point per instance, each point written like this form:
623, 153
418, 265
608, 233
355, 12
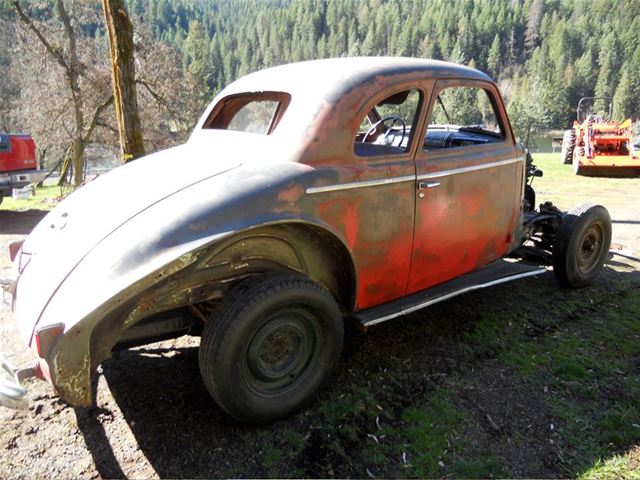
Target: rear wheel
270, 347
581, 246
568, 144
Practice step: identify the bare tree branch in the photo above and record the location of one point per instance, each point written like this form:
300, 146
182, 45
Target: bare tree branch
96, 116
68, 30
106, 126
55, 52
157, 97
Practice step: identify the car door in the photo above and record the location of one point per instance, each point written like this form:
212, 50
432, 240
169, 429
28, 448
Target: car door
467, 192
372, 205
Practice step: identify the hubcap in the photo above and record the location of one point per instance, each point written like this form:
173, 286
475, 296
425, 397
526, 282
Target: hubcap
281, 352
590, 248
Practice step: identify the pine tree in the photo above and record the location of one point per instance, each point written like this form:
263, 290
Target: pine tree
622, 100
493, 59
196, 65
608, 60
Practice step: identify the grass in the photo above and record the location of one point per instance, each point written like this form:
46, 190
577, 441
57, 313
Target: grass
588, 365
45, 198
431, 434
617, 467
566, 189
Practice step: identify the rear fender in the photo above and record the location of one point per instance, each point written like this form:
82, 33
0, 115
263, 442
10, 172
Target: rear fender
201, 276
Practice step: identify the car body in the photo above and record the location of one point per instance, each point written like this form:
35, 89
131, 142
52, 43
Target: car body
281, 193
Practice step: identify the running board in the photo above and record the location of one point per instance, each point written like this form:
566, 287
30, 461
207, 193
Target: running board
500, 271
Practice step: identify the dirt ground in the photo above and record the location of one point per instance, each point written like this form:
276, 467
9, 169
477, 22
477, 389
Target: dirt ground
155, 418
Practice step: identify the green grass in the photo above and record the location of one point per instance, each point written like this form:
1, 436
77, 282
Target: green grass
431, 432
589, 366
271, 460
486, 465
566, 189
45, 198
615, 468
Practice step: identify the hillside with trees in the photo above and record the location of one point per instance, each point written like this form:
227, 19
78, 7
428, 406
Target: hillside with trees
545, 54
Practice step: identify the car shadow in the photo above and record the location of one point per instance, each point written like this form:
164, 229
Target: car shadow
183, 433
95, 437
19, 223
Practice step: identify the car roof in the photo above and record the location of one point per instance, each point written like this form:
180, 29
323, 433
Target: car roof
337, 75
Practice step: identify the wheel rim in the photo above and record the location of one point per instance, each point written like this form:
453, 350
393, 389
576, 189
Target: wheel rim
590, 247
282, 352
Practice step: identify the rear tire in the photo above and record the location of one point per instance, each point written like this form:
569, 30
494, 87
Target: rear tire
568, 145
270, 347
581, 246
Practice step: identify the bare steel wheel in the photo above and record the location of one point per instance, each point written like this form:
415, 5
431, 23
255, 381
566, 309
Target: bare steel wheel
280, 352
581, 246
590, 247
270, 346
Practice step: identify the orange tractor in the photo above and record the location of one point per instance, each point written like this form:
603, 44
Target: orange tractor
598, 146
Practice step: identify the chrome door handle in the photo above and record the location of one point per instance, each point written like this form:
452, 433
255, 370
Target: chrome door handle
423, 185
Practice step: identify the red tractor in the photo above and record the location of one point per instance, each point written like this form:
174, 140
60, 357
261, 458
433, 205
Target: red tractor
598, 146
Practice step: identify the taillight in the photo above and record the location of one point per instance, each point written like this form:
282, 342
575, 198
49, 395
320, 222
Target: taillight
14, 248
46, 337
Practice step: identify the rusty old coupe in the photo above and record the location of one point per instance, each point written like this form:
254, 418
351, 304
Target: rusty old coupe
360, 188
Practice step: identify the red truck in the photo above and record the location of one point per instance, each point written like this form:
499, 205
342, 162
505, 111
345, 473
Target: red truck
18, 163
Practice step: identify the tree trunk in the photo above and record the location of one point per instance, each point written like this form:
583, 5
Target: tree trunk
78, 161
120, 33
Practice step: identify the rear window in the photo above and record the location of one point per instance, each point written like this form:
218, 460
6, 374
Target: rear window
249, 112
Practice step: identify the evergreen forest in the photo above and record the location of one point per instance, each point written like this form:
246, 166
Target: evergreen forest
544, 54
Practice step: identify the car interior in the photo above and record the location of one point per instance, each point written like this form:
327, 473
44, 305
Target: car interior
461, 116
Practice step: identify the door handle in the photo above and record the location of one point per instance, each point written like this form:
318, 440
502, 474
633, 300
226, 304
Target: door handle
423, 185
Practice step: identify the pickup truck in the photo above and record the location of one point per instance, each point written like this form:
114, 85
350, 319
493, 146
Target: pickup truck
19, 165
359, 189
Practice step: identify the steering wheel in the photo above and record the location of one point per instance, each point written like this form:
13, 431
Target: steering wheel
385, 138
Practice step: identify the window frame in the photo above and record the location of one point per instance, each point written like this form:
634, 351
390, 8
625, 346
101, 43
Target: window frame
227, 108
372, 102
496, 102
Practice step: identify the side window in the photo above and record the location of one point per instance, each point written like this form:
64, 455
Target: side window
386, 129
249, 112
463, 116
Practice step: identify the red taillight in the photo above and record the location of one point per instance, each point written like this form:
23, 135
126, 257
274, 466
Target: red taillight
46, 337
14, 248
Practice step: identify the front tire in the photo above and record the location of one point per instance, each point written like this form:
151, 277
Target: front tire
581, 246
270, 347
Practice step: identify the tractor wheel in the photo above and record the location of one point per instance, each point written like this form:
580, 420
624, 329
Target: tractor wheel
270, 347
581, 246
580, 153
568, 144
